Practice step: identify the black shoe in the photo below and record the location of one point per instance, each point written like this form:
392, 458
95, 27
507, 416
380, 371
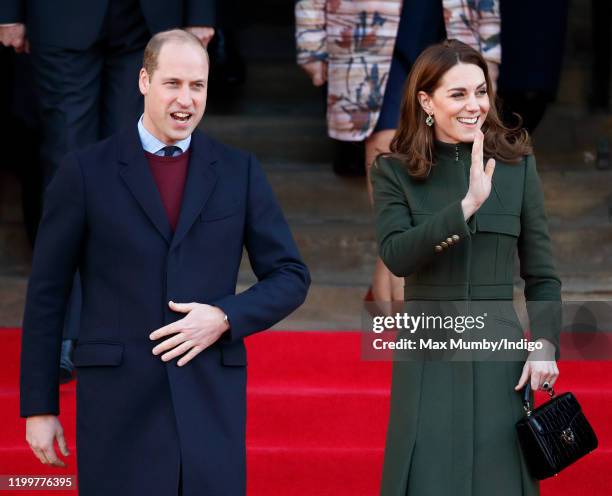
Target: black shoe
66, 365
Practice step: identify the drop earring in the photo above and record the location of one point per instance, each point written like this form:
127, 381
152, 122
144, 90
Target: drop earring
430, 120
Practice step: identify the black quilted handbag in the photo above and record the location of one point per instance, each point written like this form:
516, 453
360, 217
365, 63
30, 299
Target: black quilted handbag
554, 435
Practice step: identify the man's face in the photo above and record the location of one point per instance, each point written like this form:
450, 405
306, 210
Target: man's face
175, 94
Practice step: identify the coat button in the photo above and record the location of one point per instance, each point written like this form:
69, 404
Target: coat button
444, 244
449, 241
455, 238
438, 248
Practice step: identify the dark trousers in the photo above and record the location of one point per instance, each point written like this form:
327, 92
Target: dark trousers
20, 133
87, 95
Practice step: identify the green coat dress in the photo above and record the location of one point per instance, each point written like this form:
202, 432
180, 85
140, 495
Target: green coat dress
451, 427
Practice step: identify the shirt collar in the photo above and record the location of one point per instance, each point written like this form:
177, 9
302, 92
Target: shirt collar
152, 145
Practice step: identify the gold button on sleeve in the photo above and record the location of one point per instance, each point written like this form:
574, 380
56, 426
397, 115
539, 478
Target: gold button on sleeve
438, 248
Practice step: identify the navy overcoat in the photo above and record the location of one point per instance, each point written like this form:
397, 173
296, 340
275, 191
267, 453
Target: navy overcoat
144, 426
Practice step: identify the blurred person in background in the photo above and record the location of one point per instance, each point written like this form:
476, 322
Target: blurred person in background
533, 40
348, 44
226, 60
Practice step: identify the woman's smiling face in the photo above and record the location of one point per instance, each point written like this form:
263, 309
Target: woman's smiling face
459, 104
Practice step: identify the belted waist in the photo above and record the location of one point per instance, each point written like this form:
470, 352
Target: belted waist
463, 291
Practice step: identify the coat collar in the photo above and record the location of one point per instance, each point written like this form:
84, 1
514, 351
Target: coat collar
453, 152
200, 183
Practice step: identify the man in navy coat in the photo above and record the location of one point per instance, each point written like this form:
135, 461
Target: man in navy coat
85, 58
161, 392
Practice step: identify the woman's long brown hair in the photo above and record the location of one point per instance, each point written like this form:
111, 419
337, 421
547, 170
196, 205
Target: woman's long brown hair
413, 142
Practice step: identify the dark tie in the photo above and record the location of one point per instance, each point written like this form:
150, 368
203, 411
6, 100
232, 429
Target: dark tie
170, 150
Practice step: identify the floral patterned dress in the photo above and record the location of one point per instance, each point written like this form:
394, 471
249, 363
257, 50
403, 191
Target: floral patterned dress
476, 23
356, 39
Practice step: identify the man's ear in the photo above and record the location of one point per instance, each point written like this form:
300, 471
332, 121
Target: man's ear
425, 102
143, 81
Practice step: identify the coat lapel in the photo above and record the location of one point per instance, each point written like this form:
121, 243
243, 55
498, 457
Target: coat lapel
139, 180
201, 180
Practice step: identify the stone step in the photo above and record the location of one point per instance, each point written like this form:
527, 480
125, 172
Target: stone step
273, 138
344, 254
12, 299
311, 192
10, 198
285, 136
341, 307
574, 198
569, 132
333, 223
327, 307
272, 88
586, 250
581, 197
15, 251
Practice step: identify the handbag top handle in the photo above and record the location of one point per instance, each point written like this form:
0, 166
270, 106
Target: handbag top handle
527, 393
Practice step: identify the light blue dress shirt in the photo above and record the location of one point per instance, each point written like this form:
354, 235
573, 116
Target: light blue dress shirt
152, 145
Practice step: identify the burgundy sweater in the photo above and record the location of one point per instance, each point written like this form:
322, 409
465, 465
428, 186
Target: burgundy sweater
170, 174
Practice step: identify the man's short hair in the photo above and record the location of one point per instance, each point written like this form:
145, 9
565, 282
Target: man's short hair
151, 52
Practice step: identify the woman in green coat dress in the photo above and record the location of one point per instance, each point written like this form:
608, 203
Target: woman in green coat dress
451, 225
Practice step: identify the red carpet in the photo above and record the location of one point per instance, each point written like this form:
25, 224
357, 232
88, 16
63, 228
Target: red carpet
317, 419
